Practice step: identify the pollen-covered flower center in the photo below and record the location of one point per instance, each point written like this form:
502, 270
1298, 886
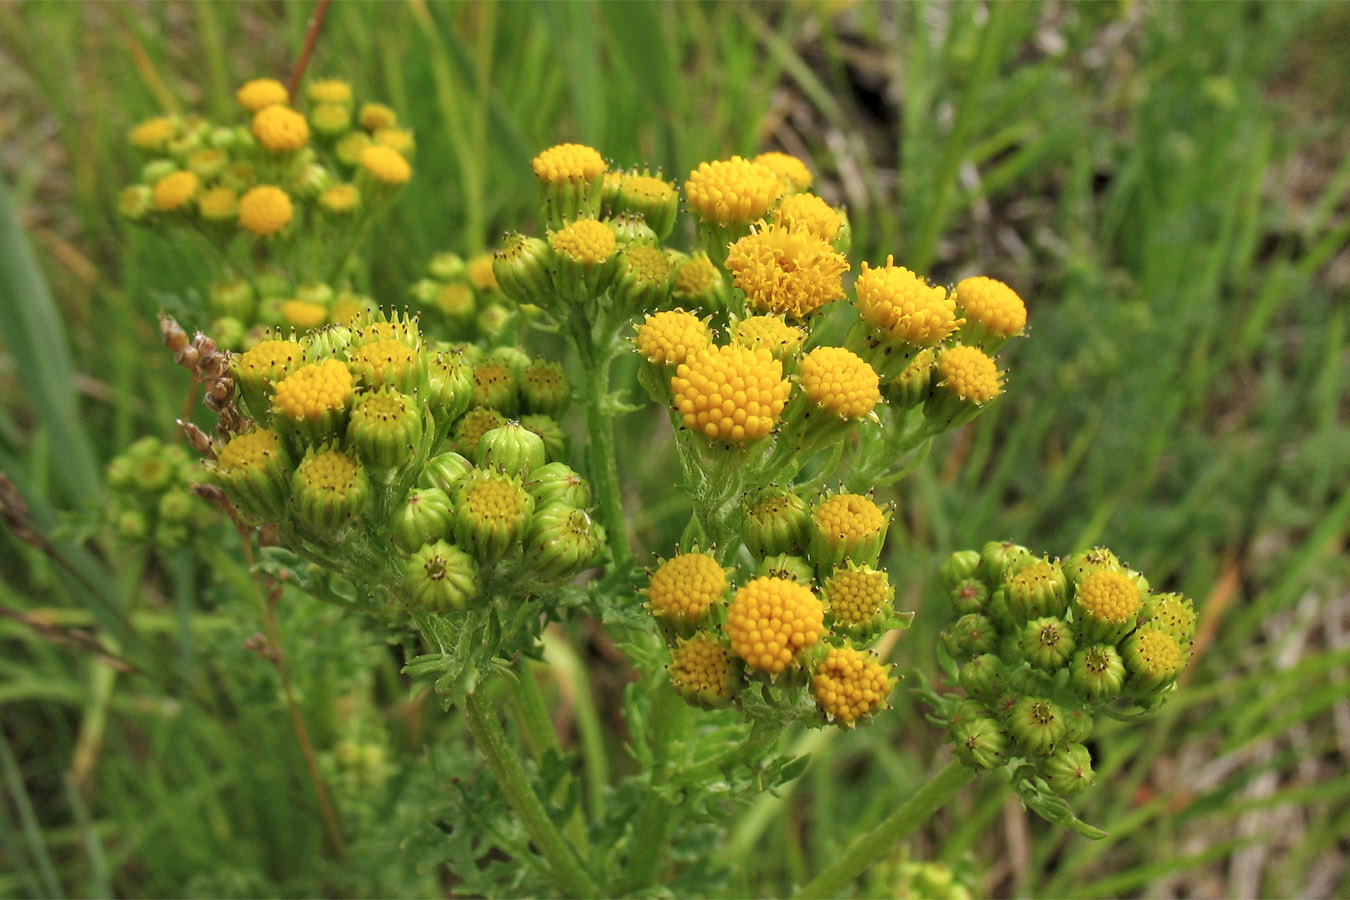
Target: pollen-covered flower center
496, 500
838, 381
701, 666
670, 337
771, 620
732, 191
265, 210
1109, 596
730, 393
249, 451
280, 128
313, 390
270, 359
992, 304
810, 214
586, 241
791, 273
568, 162
903, 307
770, 332
848, 684
789, 169
648, 264
383, 360
686, 586
330, 471
849, 516
386, 165
969, 373
855, 596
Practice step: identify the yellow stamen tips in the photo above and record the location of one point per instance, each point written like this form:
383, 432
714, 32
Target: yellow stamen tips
176, 191
568, 162
1152, 657
770, 332
383, 361
249, 451
969, 373
790, 170
261, 93
153, 134
730, 393
790, 273
697, 278
669, 338
219, 204
903, 307
265, 210
586, 241
773, 619
280, 129
809, 213
303, 314
492, 500
479, 272
850, 516
374, 116
685, 587
340, 199
331, 471
271, 359
330, 90
856, 595
992, 305
314, 391
700, 670
386, 165
838, 381
1109, 596
849, 685
731, 192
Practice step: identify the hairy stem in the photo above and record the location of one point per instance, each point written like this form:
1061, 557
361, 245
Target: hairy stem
653, 823
604, 470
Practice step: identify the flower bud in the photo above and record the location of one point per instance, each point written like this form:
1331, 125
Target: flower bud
1081, 565
385, 428
643, 279
984, 677
1046, 643
1036, 590
771, 332
585, 259
450, 383
521, 267
388, 362
777, 521
446, 267
330, 489
685, 590
571, 181
1172, 614
562, 541
631, 230
993, 312
703, 672
1105, 606
788, 567
1077, 725
653, 198
970, 636
177, 507
330, 120
1097, 672
423, 519
958, 567
254, 471
494, 386
556, 482
544, 389
699, 284
980, 743
1036, 724
257, 371
492, 510
441, 577
1003, 558
969, 596
513, 448
314, 399
965, 380
847, 526
444, 471
1152, 658
131, 525
232, 298
136, 202
1068, 770
471, 427
850, 685
551, 433
912, 386
858, 601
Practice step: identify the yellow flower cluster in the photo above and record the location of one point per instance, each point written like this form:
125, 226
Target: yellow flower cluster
903, 307
771, 620
838, 382
730, 393
785, 271
685, 587
849, 684
670, 337
735, 191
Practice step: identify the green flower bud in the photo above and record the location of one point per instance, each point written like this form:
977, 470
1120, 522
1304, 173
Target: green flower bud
970, 636
1068, 770
1081, 565
492, 510
1172, 614
131, 525
232, 298
1077, 725
558, 483
858, 601
551, 433
776, 521
703, 671
585, 259
309, 181
521, 267
388, 362
177, 507
967, 711
544, 388
385, 428
446, 267
170, 535
253, 470
983, 677
1002, 558
1097, 672
651, 197
444, 471
470, 429
121, 473
513, 448
783, 565
152, 472
349, 146
156, 170
1105, 606
441, 577
980, 743
1046, 643
423, 519
450, 383
330, 489
327, 342
643, 282
136, 203
1037, 590
330, 120
562, 541
969, 596
996, 608
959, 567
1036, 724
847, 526
1152, 658
239, 176
911, 387
494, 386
632, 230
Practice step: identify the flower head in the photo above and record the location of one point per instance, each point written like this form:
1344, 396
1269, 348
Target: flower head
808, 213
585, 241
734, 191
313, 392
1152, 658
374, 116
791, 273
847, 526
790, 170
686, 586
701, 671
386, 361
176, 191
491, 512
386, 165
154, 134
472, 426
838, 381
968, 373
219, 204
330, 488
1109, 598
262, 92
671, 337
849, 685
280, 129
856, 596
479, 272
771, 332
568, 162
304, 313
771, 620
329, 90
730, 393
265, 210
903, 307
992, 305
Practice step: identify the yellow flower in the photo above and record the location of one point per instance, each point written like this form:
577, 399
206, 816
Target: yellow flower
385, 361
771, 332
791, 273
270, 359
850, 517
472, 426
314, 391
265, 210
903, 307
734, 191
374, 116
176, 191
669, 338
848, 684
400, 139
856, 595
280, 129
771, 620
153, 134
992, 305
330, 90
250, 451
790, 170
730, 393
479, 272
303, 314
697, 280
340, 199
219, 204
839, 382
1152, 658
969, 373
586, 241
386, 165
568, 162
261, 93
1109, 596
809, 213
701, 671
686, 586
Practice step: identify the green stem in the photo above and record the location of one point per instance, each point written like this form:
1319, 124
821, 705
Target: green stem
874, 845
604, 470
535, 725
763, 734
654, 821
566, 869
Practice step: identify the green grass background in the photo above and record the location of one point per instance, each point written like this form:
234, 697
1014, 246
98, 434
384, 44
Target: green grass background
1165, 184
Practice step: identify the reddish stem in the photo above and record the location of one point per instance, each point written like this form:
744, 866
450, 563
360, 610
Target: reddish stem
315, 23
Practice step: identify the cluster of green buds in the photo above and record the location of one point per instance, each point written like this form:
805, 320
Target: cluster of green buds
459, 300
1044, 647
151, 500
799, 626
281, 201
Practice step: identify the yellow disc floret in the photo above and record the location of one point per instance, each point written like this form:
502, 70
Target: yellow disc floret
280, 129
265, 210
789, 169
686, 586
791, 273
670, 337
855, 595
838, 381
991, 304
730, 393
969, 373
586, 241
219, 204
249, 451
648, 264
700, 668
270, 359
696, 278
1154, 654
492, 499
331, 471
850, 516
303, 313
773, 619
848, 684
329, 90
732, 191
262, 92
153, 134
771, 332
176, 191
1109, 596
903, 307
385, 164
809, 213
479, 272
383, 361
313, 391
568, 162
